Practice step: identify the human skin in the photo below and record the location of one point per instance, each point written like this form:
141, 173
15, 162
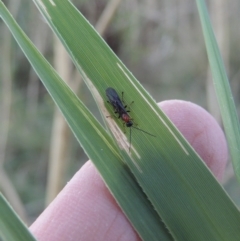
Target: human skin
86, 211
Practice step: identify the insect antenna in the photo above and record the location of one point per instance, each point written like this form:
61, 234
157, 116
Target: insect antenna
142, 131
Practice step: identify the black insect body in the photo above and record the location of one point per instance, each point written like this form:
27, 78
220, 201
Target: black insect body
118, 106
120, 109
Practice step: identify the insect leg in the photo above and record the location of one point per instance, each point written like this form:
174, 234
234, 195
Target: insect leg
124, 127
130, 139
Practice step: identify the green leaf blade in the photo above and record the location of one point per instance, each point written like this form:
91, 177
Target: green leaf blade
11, 227
222, 87
166, 162
91, 134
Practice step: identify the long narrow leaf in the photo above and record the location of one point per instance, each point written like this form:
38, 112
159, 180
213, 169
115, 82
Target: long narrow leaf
183, 191
95, 141
11, 227
222, 87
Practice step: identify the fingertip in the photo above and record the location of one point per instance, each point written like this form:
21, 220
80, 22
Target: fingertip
83, 210
202, 131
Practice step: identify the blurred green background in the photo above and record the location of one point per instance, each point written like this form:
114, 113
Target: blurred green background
160, 41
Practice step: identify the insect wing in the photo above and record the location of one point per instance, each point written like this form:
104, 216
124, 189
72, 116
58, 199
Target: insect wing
112, 95
114, 99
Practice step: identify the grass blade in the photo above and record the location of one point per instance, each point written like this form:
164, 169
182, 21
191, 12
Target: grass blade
11, 227
91, 135
222, 87
101, 69
190, 201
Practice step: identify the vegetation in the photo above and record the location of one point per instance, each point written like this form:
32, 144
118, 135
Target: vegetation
160, 42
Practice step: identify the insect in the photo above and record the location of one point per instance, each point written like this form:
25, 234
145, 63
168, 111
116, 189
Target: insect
120, 109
